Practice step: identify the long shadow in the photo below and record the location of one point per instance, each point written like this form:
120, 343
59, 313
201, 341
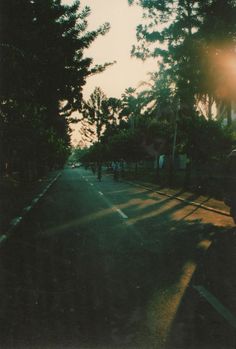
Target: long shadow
180, 246
91, 285
68, 291
197, 323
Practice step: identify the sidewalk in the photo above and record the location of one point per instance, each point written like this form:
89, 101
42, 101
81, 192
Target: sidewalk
206, 202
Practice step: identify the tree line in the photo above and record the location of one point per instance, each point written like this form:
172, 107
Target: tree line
129, 130
43, 71
193, 42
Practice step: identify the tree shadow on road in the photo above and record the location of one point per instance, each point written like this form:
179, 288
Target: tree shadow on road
112, 285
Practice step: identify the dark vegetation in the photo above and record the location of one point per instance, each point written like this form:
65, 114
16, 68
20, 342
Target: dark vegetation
43, 71
187, 107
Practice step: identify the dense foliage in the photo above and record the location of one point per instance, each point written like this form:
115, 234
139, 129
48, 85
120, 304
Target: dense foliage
194, 43
43, 71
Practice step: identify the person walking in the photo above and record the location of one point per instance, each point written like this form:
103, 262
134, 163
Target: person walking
230, 184
99, 171
115, 168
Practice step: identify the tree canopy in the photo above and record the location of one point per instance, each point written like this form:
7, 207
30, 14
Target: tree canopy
43, 72
186, 36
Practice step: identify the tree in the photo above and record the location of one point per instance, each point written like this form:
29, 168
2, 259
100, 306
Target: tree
42, 48
159, 100
172, 25
77, 153
217, 35
100, 112
182, 35
131, 106
205, 140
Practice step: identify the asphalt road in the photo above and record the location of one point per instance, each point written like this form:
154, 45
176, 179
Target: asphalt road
108, 265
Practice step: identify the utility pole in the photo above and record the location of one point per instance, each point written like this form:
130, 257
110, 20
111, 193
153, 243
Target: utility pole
175, 136
172, 161
176, 116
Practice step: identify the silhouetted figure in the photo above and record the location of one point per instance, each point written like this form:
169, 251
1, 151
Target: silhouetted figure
230, 184
115, 168
99, 174
93, 168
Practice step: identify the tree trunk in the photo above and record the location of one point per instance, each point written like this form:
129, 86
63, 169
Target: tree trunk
171, 170
136, 168
228, 113
157, 167
188, 174
209, 112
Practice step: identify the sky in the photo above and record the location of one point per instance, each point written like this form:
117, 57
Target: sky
115, 46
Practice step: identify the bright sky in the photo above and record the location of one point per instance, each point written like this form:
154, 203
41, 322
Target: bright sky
114, 46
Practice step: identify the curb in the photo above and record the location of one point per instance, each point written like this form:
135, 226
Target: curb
193, 203
15, 222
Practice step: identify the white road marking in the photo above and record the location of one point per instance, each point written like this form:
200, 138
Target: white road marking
16, 221
121, 213
35, 200
27, 208
217, 305
3, 238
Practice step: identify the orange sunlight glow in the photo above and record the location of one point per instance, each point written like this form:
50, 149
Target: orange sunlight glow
165, 304
163, 308
224, 78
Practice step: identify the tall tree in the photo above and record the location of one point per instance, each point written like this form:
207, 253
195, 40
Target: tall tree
95, 111
131, 106
43, 71
169, 36
159, 98
182, 35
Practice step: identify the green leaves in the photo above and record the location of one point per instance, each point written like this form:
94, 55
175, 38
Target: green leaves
182, 34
